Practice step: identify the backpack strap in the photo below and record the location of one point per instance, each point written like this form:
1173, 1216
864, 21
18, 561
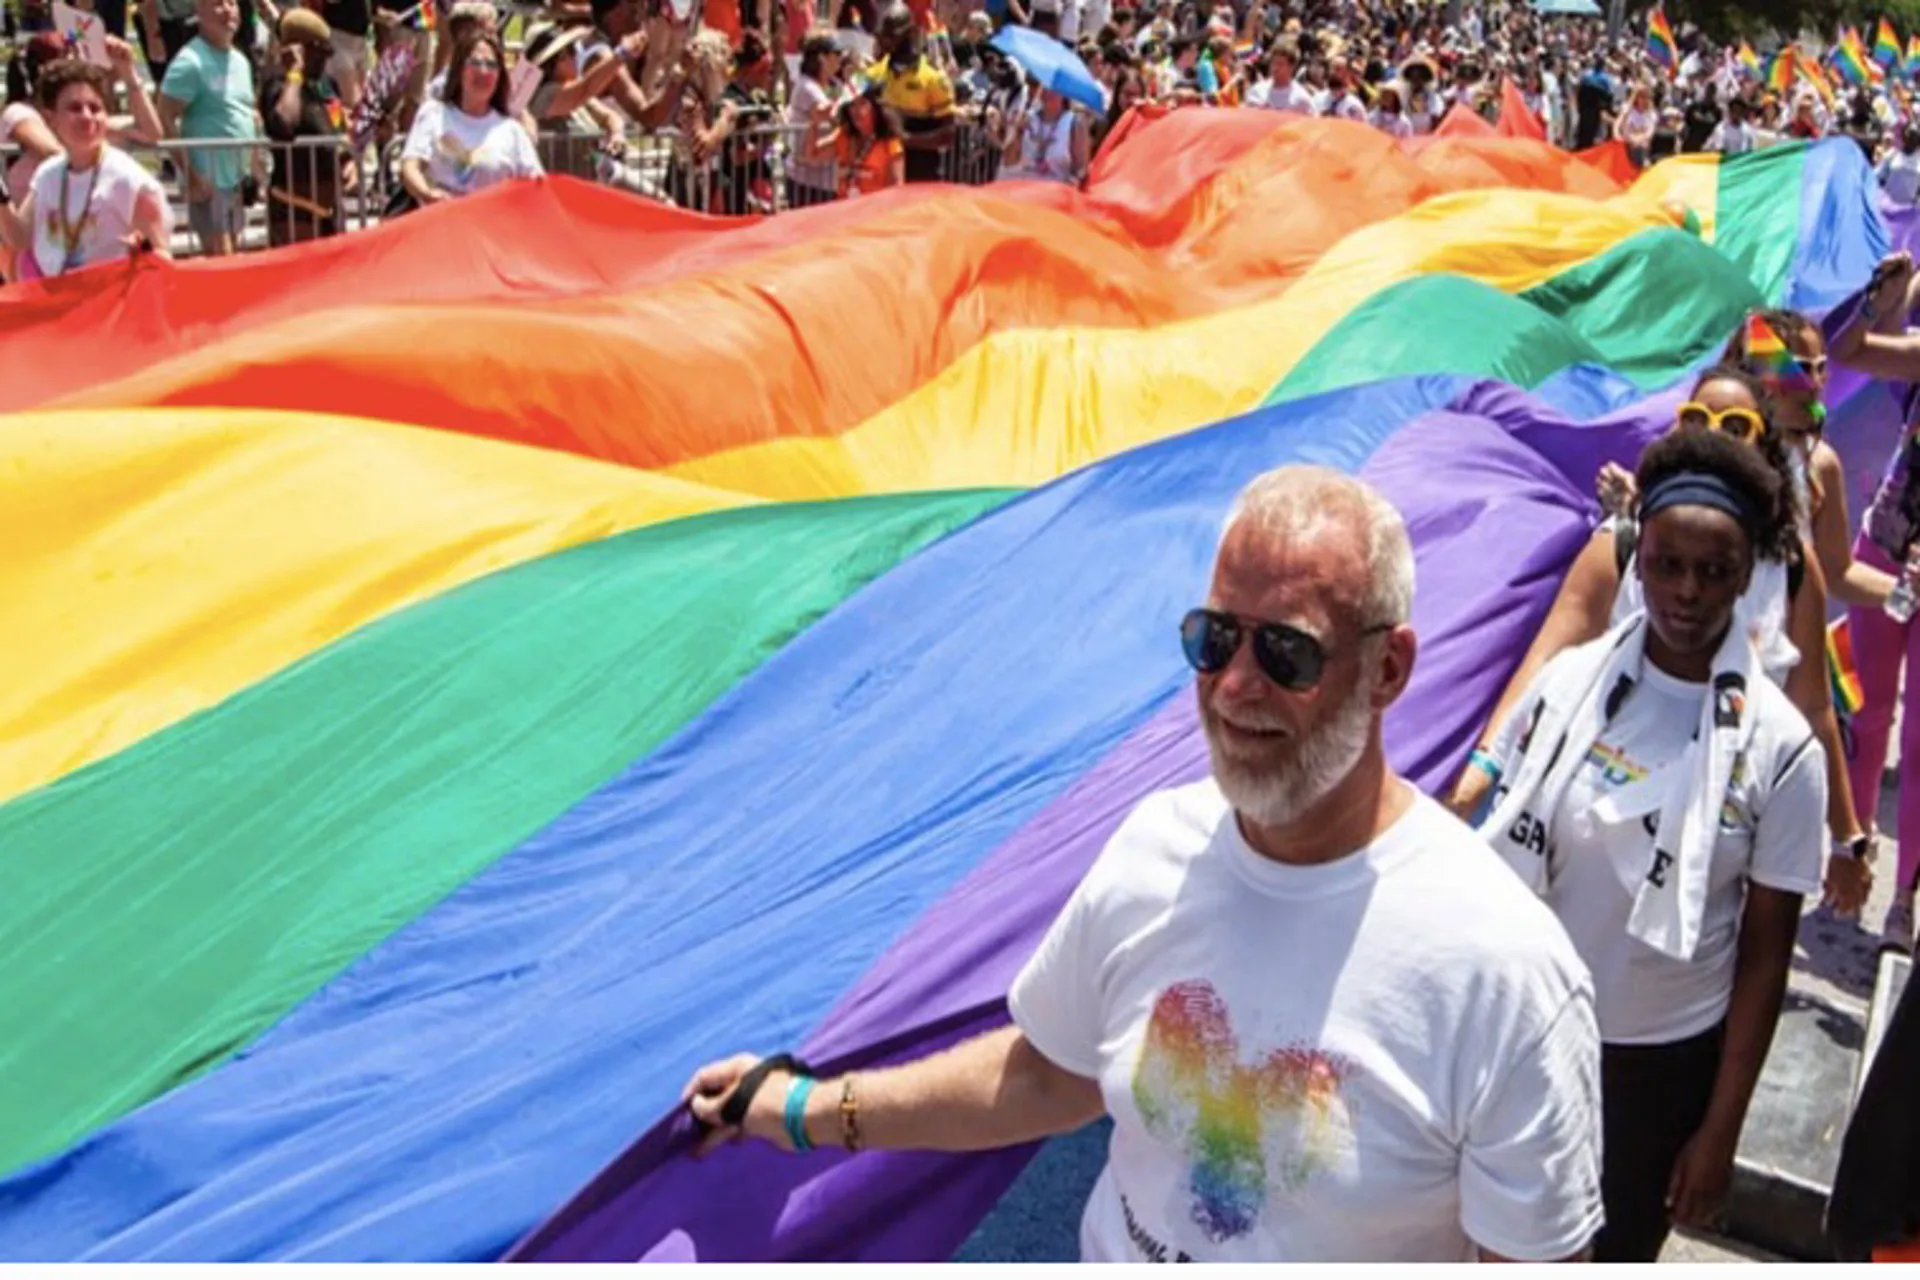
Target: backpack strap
1626, 537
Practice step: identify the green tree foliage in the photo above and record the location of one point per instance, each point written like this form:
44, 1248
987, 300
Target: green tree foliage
1762, 21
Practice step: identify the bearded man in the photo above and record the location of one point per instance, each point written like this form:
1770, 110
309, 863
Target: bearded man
1328, 1023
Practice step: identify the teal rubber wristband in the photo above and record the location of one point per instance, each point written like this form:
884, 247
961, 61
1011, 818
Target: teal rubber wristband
1484, 761
797, 1112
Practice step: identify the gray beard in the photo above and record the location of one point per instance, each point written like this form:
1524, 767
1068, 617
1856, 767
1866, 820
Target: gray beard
1275, 797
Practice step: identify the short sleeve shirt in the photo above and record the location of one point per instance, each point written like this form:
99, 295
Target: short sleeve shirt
1391, 1057
215, 88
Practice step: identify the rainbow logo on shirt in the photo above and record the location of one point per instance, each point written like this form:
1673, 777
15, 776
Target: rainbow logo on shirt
1250, 1129
1616, 767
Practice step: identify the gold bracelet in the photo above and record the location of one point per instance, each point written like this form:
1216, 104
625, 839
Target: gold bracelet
849, 1115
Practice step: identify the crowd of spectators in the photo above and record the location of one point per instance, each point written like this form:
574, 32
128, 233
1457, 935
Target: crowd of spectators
398, 105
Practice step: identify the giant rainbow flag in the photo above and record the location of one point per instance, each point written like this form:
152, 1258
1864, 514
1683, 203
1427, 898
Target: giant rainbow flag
464, 675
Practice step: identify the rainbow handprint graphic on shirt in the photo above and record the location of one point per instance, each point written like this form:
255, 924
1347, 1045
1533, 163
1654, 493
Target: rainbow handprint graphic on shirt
1252, 1124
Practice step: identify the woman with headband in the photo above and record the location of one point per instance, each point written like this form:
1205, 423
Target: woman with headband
1785, 611
1664, 798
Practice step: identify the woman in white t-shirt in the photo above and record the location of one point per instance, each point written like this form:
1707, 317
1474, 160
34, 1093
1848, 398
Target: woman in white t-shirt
1900, 171
24, 126
1636, 125
810, 174
1389, 117
1051, 142
1688, 934
464, 141
93, 204
1786, 612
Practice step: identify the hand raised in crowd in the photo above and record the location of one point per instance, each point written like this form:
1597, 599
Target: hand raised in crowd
120, 56
1895, 280
1615, 488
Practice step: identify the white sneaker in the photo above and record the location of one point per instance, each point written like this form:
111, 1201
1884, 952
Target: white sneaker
1897, 933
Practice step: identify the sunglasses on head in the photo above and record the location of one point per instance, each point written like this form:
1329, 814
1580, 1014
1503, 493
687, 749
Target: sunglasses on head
1743, 424
1286, 655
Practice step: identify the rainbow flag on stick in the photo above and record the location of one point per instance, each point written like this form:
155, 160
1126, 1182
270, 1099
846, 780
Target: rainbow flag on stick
1841, 671
1886, 46
1851, 61
1810, 70
1661, 46
1748, 60
1780, 70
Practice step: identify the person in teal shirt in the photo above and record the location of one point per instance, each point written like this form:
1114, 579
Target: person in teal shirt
208, 94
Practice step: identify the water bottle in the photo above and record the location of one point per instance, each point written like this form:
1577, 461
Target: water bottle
1901, 601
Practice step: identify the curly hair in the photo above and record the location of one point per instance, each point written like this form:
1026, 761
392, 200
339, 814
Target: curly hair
1701, 449
1772, 445
65, 73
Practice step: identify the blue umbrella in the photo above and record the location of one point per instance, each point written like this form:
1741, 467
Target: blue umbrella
1051, 63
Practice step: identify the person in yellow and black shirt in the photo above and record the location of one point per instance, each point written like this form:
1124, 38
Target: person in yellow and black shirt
303, 195
917, 91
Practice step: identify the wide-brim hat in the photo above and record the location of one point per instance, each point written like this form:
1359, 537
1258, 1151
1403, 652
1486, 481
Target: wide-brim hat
548, 40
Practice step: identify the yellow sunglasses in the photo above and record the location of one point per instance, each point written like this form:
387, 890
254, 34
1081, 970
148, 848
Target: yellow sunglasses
1745, 424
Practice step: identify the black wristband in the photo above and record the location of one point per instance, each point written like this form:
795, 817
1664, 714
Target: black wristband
734, 1110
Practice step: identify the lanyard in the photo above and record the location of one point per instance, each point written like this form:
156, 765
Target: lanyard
72, 228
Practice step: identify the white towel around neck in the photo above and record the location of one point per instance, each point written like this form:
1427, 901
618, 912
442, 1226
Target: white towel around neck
1566, 710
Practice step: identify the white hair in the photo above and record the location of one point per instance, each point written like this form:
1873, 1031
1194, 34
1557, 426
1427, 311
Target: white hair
1299, 502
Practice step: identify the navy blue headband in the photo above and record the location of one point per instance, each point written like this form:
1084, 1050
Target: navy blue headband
1703, 489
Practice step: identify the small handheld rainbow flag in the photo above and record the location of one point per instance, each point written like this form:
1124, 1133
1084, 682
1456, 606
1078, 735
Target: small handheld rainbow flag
1780, 70
1748, 60
1886, 46
1842, 674
1661, 46
1850, 60
1769, 360
1913, 56
1814, 76
336, 115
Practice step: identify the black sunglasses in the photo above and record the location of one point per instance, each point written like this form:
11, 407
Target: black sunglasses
1287, 655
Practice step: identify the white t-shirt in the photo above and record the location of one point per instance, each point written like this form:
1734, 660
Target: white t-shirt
466, 153
808, 98
1388, 1057
1394, 126
1292, 96
1345, 107
1095, 14
96, 226
1899, 177
1772, 832
1731, 139
1422, 112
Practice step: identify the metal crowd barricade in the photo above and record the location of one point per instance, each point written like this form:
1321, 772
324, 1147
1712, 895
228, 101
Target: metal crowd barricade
305, 189
315, 187
974, 158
